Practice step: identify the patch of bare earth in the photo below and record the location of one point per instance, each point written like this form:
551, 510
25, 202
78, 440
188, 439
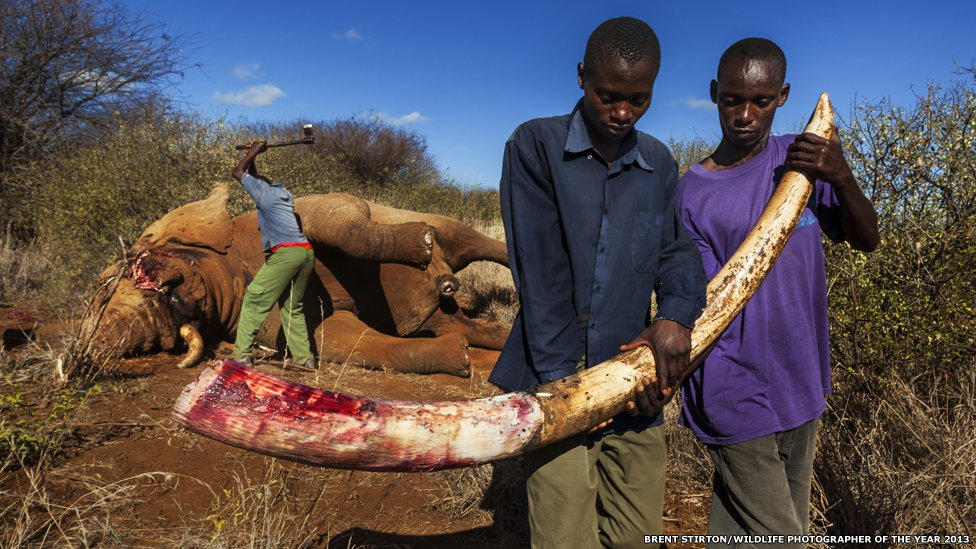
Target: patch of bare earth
129, 476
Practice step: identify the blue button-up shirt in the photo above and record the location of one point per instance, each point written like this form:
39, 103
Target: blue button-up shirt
588, 245
276, 212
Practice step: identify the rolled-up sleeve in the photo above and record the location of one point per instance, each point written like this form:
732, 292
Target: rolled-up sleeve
680, 283
539, 264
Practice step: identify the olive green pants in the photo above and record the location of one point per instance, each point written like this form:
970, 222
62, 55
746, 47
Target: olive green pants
589, 492
282, 280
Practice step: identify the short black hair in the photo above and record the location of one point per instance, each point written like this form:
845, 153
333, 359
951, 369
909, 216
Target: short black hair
628, 38
756, 48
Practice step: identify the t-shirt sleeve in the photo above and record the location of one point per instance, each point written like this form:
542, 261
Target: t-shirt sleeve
828, 210
710, 260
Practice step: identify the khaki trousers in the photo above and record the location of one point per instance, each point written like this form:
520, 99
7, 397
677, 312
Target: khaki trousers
600, 491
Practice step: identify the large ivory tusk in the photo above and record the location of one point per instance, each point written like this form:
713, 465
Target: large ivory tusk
195, 343
255, 411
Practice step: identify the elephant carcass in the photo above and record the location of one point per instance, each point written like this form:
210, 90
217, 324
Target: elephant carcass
381, 274
255, 411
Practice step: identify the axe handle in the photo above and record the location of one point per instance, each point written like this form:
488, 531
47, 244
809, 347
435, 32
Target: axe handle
302, 141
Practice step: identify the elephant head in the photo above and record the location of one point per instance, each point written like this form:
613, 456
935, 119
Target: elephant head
176, 275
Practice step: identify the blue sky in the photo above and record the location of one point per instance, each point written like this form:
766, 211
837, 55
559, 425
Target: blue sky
465, 74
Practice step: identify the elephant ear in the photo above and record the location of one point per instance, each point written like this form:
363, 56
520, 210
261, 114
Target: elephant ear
204, 223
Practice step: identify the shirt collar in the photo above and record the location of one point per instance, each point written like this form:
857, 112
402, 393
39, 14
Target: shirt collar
578, 141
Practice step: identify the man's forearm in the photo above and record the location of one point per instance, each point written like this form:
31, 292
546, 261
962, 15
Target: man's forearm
857, 217
247, 163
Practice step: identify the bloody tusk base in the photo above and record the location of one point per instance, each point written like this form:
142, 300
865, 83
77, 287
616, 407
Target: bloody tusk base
232, 403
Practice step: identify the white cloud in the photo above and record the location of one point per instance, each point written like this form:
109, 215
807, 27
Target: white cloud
351, 35
396, 120
247, 71
254, 96
96, 80
695, 103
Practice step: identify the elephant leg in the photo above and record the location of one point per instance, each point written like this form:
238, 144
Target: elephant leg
345, 223
343, 338
478, 332
482, 361
463, 245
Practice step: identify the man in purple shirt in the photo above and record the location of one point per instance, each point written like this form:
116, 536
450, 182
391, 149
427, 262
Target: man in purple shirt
757, 399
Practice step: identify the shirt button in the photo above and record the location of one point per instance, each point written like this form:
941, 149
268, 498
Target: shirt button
603, 250
599, 288
593, 325
606, 211
589, 157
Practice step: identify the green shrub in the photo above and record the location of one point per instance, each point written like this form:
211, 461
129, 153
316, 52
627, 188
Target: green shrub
30, 433
896, 443
909, 307
374, 161
104, 194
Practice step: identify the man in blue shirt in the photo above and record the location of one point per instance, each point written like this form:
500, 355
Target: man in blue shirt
592, 233
288, 264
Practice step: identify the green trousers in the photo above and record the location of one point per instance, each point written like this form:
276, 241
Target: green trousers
281, 280
589, 492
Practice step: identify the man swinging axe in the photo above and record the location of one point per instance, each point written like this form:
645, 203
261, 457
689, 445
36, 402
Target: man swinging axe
289, 261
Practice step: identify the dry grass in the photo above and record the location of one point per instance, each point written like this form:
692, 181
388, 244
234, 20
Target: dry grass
42, 503
486, 288
272, 509
23, 267
93, 515
689, 473
892, 460
493, 493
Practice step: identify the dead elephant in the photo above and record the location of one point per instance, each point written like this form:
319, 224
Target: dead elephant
381, 274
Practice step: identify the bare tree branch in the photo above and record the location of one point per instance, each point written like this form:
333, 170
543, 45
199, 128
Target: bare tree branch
68, 69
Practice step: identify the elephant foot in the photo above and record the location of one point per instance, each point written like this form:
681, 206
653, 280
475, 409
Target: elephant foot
482, 361
447, 354
417, 241
457, 363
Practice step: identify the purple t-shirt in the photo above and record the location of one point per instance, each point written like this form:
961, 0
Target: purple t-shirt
770, 370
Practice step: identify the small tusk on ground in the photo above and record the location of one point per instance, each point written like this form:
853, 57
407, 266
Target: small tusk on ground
195, 343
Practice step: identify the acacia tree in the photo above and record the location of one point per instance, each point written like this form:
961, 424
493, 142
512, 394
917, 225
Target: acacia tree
915, 297
377, 153
689, 152
895, 451
69, 68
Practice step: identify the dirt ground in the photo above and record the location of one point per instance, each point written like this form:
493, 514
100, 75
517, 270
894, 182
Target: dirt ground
159, 485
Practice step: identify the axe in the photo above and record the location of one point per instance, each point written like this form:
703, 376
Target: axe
307, 139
